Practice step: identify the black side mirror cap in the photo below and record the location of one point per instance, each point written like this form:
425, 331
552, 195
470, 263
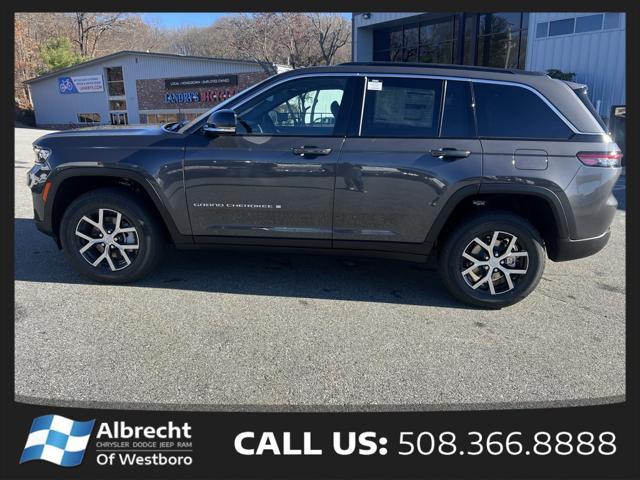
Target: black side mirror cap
221, 122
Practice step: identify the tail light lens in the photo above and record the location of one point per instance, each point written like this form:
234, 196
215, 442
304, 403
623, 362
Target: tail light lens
601, 159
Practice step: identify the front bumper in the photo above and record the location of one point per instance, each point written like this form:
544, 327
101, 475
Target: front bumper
567, 249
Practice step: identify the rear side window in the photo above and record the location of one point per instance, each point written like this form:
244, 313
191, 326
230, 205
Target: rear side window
581, 93
457, 118
402, 107
505, 111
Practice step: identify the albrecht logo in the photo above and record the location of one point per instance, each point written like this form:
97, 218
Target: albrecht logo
58, 440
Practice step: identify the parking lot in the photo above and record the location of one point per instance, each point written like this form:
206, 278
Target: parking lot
233, 331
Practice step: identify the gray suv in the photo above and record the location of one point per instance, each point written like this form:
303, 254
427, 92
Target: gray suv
494, 170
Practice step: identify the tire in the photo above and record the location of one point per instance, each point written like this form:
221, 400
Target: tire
526, 255
138, 226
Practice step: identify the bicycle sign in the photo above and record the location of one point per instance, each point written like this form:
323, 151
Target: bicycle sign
65, 85
84, 84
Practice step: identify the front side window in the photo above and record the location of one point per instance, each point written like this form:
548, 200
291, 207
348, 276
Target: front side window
507, 111
309, 106
401, 107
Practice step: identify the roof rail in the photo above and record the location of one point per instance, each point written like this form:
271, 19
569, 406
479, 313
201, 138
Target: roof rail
444, 66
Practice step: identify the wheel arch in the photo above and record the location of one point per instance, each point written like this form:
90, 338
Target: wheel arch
69, 184
535, 203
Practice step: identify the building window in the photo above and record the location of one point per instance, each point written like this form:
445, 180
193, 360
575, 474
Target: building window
611, 20
432, 42
589, 23
502, 39
490, 39
117, 104
438, 40
115, 81
88, 118
542, 29
561, 27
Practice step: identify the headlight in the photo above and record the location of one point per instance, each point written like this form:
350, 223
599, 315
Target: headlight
42, 153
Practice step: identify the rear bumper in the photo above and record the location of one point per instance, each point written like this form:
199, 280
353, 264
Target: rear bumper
567, 249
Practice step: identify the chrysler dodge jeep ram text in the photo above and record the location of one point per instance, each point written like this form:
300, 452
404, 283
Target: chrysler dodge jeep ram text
492, 169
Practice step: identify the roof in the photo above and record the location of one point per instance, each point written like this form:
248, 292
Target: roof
463, 71
447, 66
137, 53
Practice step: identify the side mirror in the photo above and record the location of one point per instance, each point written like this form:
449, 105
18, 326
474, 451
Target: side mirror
221, 122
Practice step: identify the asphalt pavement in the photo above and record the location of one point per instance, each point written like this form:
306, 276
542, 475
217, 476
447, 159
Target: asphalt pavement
238, 331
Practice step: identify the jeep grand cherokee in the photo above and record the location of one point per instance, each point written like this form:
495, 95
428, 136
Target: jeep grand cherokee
492, 169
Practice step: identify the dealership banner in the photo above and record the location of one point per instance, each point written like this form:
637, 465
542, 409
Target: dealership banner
208, 81
84, 84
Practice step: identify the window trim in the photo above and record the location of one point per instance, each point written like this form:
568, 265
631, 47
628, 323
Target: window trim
410, 75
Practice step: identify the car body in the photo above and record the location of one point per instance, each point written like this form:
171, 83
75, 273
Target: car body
361, 158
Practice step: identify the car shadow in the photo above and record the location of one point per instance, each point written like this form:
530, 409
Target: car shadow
327, 277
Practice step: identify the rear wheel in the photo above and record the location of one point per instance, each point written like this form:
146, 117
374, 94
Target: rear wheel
109, 236
492, 260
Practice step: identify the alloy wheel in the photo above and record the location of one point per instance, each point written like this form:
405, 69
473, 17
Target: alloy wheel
494, 262
106, 239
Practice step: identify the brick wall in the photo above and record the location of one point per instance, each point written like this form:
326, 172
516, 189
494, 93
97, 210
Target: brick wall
151, 93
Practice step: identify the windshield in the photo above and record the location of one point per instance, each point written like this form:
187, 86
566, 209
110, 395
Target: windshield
206, 114
581, 93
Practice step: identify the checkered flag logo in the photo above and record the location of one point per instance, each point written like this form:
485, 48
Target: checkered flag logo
57, 440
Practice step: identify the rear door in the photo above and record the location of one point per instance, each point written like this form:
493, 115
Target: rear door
414, 146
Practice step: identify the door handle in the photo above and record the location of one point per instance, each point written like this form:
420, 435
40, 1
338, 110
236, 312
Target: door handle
450, 153
311, 151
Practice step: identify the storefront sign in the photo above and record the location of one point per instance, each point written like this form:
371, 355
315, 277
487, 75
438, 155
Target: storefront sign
85, 84
199, 82
182, 97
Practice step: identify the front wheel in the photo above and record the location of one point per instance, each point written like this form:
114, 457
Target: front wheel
493, 260
110, 236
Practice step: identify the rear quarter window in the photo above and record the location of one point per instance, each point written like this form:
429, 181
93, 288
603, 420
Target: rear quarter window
506, 111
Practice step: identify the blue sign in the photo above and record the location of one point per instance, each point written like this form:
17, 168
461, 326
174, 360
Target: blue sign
65, 85
182, 97
83, 84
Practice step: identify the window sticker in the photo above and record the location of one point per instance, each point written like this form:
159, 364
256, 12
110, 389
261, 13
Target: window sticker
374, 85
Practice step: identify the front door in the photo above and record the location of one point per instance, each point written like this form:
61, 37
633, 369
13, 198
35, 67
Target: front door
406, 158
275, 176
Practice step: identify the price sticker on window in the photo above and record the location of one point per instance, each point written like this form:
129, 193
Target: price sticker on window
374, 85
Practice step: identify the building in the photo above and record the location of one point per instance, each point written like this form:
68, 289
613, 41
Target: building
590, 45
138, 87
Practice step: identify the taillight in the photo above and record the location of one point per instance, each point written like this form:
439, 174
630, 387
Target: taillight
601, 159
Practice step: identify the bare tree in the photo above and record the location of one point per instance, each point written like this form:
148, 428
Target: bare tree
331, 32
91, 27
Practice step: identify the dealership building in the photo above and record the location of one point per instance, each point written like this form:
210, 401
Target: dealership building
138, 87
590, 45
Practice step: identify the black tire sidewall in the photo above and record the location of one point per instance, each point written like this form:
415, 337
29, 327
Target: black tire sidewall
451, 256
144, 223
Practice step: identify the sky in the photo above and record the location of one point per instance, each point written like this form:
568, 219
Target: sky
197, 19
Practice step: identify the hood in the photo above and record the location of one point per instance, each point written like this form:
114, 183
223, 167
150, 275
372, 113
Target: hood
106, 130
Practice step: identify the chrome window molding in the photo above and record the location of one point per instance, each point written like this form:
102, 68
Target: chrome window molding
367, 75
